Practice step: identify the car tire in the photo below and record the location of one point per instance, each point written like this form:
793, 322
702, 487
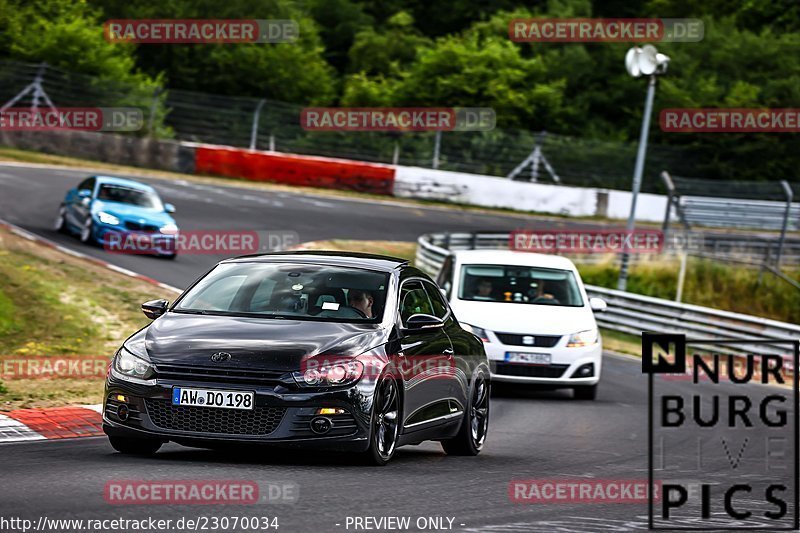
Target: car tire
475, 427
61, 220
130, 446
87, 233
386, 417
585, 392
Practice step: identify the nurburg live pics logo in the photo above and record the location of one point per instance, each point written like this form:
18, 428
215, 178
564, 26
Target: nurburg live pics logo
732, 428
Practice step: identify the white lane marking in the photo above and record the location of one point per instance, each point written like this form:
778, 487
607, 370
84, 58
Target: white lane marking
121, 270
14, 431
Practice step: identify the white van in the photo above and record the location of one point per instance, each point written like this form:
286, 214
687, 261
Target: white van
533, 315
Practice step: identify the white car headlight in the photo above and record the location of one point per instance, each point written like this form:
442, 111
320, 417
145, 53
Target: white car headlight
131, 368
107, 218
582, 338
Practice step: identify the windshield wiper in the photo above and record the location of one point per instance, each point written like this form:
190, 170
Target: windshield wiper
191, 311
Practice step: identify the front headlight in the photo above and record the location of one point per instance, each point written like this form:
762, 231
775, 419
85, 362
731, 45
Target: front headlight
475, 330
107, 218
169, 229
131, 368
330, 375
582, 338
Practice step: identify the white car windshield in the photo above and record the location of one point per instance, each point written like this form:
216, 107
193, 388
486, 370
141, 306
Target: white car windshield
519, 284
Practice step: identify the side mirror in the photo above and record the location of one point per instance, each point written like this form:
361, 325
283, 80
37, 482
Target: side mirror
598, 305
154, 308
169, 208
85, 201
422, 321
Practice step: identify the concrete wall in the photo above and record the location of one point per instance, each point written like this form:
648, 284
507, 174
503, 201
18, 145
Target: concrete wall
106, 147
490, 191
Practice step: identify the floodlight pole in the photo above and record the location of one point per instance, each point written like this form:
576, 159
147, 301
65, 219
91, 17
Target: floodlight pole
622, 282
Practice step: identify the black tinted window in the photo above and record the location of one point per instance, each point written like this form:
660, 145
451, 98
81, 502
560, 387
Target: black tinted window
414, 300
438, 303
86, 185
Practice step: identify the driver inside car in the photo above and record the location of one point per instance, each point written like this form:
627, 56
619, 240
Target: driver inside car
361, 301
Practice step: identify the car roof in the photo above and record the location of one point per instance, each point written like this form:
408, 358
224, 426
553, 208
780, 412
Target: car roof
510, 257
383, 263
124, 182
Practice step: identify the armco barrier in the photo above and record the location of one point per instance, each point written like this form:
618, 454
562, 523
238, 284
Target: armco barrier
294, 169
634, 313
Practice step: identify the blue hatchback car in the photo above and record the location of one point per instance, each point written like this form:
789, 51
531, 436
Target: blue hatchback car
121, 215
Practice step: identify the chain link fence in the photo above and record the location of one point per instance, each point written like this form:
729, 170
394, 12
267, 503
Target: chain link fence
271, 125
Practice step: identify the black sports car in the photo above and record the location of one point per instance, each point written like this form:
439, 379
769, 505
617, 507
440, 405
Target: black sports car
350, 352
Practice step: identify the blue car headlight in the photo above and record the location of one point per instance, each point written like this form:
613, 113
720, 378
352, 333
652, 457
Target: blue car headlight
107, 218
169, 229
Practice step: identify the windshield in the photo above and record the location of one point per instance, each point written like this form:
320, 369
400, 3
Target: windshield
283, 290
127, 195
519, 284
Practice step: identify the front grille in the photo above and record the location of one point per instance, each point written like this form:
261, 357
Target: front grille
531, 371
217, 375
260, 421
136, 226
539, 341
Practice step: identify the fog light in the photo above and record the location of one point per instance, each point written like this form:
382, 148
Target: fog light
321, 425
330, 411
123, 412
121, 398
584, 371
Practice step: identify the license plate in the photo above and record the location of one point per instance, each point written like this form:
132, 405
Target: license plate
222, 399
530, 358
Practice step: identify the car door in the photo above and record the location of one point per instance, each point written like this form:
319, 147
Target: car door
78, 209
423, 353
459, 364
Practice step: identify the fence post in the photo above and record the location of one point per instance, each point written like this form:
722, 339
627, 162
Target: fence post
254, 130
681, 278
437, 146
665, 177
396, 153
789, 195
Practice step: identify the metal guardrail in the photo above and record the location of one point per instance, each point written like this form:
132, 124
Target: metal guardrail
635, 313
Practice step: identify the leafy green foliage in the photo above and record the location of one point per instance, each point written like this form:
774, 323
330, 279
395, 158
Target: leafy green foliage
456, 53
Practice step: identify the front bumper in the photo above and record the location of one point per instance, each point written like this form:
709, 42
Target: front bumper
118, 240
564, 370
280, 417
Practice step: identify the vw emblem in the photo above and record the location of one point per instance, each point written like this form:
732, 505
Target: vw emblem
220, 357
527, 339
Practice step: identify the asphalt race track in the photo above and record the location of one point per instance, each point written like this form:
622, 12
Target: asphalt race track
533, 435
29, 197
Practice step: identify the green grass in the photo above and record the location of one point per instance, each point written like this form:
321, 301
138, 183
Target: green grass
708, 283
52, 305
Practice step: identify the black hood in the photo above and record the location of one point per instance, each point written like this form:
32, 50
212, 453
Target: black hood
254, 343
